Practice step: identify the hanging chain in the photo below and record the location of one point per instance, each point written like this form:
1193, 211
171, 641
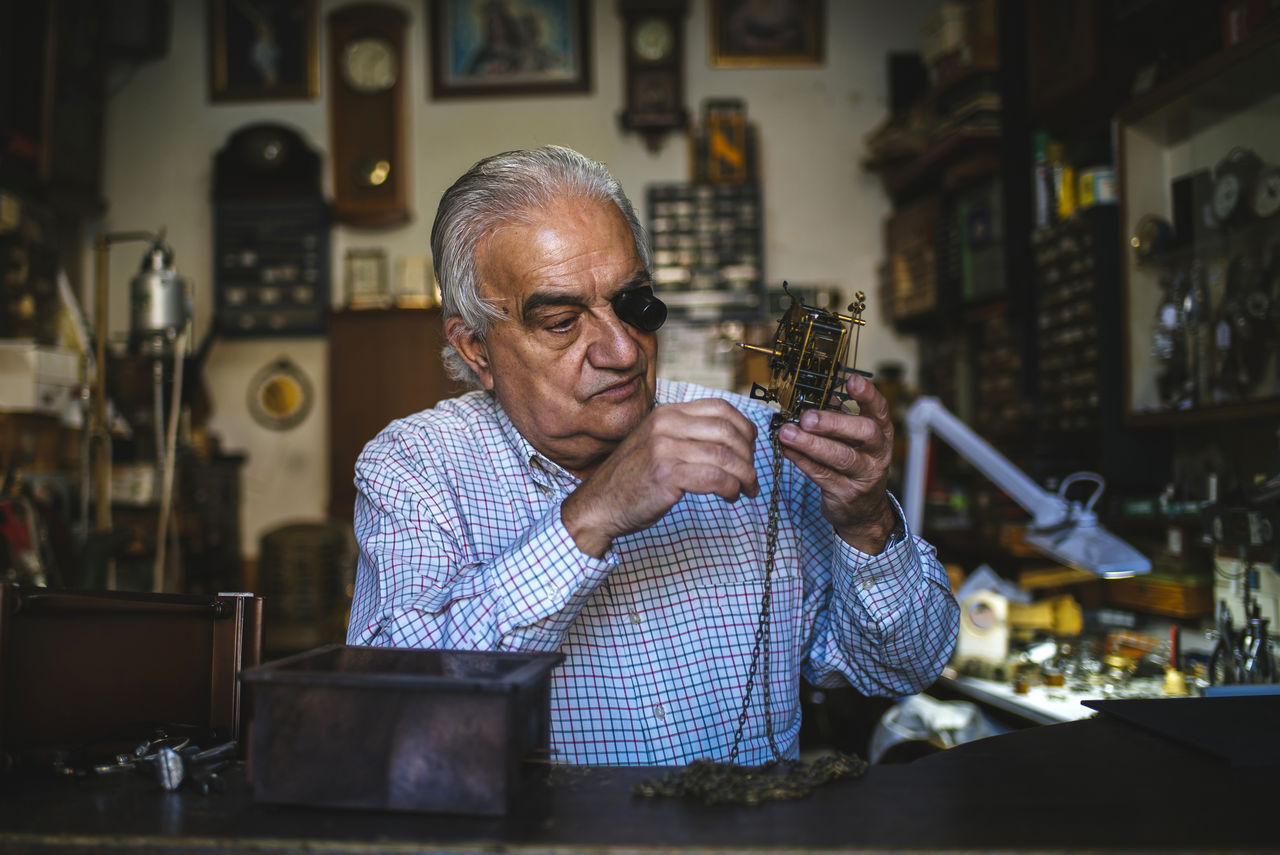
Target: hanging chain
806, 338
779, 779
761, 652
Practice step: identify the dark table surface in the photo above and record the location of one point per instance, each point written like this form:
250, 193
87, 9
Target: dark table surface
1096, 784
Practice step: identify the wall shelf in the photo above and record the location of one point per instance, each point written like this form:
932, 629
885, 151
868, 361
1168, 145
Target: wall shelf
1201, 299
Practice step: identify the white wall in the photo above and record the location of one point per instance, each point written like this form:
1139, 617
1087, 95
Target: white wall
822, 213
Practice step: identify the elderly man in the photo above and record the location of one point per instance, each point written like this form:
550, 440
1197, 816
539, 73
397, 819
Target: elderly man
575, 503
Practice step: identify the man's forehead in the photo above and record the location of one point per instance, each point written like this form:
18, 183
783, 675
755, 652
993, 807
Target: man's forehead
515, 265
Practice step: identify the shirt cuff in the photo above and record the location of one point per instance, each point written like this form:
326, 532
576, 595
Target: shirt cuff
889, 575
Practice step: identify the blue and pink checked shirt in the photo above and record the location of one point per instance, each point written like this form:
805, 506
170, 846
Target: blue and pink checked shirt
462, 547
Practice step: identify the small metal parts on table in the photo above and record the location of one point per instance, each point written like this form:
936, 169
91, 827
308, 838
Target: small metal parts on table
173, 761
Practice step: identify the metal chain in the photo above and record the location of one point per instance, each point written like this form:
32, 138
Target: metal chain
762, 649
780, 779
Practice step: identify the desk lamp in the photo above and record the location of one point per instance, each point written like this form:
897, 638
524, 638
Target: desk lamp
1062, 528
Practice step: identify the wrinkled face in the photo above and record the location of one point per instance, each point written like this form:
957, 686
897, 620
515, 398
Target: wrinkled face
574, 379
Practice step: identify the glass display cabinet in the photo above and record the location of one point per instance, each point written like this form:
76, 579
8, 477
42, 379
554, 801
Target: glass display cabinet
1199, 166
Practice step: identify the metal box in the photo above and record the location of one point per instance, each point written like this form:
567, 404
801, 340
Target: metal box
440, 731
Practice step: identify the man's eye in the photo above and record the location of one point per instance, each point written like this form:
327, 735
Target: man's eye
559, 324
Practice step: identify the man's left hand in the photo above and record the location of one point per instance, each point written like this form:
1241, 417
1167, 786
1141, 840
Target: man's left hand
848, 457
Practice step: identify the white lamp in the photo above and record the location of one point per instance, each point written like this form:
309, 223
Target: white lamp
1062, 528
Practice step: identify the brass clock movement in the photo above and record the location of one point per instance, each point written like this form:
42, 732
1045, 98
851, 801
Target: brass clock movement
367, 115
654, 67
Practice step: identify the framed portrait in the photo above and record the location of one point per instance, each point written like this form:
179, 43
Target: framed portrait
262, 50
509, 47
755, 33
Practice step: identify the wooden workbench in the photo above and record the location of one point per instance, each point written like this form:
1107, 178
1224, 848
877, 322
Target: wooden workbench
1097, 784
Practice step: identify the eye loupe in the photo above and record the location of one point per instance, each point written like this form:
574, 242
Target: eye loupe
640, 308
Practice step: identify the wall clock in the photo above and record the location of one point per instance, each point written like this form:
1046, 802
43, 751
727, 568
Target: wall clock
1233, 181
367, 133
1264, 198
280, 395
653, 33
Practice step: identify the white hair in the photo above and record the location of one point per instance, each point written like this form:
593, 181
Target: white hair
501, 190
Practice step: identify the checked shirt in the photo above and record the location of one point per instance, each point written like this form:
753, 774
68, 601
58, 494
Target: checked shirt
462, 547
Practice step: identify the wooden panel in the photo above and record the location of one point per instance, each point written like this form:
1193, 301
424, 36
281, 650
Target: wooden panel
1162, 596
383, 364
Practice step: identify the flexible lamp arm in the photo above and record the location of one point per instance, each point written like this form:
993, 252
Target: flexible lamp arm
1062, 529
928, 414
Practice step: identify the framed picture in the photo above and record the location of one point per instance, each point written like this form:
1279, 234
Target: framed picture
365, 279
509, 47
747, 33
262, 50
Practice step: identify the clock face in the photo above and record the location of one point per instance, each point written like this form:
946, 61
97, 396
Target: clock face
1265, 201
1226, 196
369, 65
653, 39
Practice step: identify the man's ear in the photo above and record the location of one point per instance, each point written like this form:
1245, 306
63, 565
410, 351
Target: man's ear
471, 348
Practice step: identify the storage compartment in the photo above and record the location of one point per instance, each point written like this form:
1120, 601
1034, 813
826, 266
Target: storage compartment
82, 670
442, 731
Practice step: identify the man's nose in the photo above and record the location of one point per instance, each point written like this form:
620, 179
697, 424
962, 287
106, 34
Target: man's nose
612, 345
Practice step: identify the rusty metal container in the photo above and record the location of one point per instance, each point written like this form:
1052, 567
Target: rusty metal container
438, 731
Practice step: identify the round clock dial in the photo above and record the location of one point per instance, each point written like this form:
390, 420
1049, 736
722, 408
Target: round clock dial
1233, 183
653, 39
1265, 199
1226, 197
369, 65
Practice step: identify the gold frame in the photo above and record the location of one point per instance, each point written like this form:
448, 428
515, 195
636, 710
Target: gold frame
292, 25
805, 49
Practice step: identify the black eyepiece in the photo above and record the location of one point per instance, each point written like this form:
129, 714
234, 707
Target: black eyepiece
640, 308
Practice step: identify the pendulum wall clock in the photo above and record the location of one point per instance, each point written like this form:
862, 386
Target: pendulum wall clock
653, 51
367, 115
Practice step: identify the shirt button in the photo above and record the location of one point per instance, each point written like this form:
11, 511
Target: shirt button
868, 584
635, 617
659, 712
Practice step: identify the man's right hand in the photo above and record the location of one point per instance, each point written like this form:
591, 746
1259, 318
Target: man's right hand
704, 446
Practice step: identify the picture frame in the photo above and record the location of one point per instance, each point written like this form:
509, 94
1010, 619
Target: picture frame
752, 34
262, 51
366, 279
465, 63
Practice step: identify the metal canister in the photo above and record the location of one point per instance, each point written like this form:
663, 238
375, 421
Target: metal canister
159, 303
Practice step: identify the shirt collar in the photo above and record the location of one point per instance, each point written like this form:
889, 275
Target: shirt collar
542, 469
